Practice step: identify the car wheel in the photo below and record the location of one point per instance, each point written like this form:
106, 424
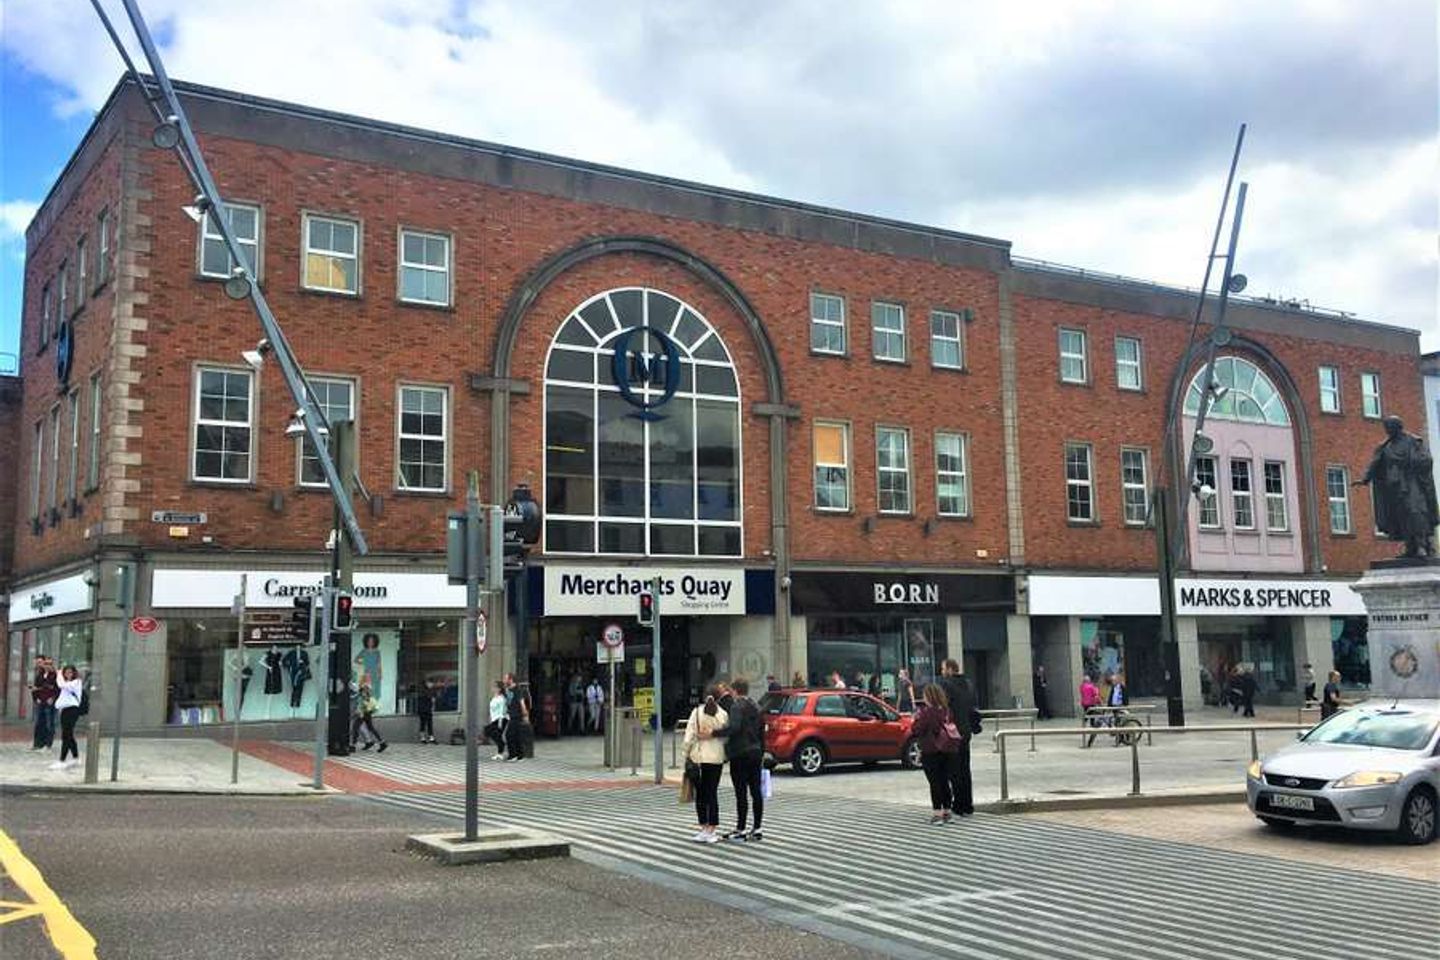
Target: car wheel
1275, 823
910, 756
1417, 817
809, 758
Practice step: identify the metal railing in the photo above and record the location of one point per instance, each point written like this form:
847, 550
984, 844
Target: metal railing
1020, 713
1252, 728
1090, 730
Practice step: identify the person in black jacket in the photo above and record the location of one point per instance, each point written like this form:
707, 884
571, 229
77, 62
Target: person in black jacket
744, 734
962, 706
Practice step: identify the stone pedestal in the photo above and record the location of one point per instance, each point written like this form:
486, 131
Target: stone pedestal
1402, 601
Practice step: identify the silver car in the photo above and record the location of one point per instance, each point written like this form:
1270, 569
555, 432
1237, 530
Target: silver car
1375, 766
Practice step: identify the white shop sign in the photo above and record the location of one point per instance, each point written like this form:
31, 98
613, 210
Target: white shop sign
279, 588
50, 599
1194, 597
600, 591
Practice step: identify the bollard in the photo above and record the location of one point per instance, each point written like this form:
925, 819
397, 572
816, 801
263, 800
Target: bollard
1134, 766
1254, 747
1004, 770
634, 750
1032, 734
92, 752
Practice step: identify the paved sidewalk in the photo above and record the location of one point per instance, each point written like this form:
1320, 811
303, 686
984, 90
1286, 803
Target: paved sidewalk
149, 766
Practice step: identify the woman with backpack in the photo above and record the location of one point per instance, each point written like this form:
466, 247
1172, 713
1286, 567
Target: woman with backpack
940, 741
707, 755
72, 694
365, 707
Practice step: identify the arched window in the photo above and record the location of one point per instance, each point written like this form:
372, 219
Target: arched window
1250, 397
642, 454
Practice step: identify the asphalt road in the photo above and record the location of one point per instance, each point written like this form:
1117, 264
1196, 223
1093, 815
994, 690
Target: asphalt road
213, 877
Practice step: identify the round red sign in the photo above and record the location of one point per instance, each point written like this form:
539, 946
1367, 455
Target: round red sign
143, 625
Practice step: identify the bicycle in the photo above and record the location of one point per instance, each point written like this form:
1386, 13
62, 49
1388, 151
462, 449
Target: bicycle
1124, 728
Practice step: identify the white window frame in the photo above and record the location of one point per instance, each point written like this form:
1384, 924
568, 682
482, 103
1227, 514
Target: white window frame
54, 460
1087, 484
961, 476
1137, 365
37, 470
196, 423
72, 492
1083, 356
1332, 390
92, 475
903, 471
958, 339
306, 250
448, 269
62, 282
256, 243
82, 271
1366, 396
879, 308
844, 467
1343, 500
816, 320
1242, 498
1213, 500
301, 440
47, 313
102, 247
1128, 488
1275, 500
444, 392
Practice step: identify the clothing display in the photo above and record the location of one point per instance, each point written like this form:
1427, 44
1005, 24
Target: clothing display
297, 665
246, 673
274, 681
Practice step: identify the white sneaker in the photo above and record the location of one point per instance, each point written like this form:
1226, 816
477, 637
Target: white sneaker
700, 836
498, 756
711, 838
59, 765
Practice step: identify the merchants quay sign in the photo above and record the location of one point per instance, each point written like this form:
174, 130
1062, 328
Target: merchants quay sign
585, 591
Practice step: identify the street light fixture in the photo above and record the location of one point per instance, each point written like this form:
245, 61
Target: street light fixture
238, 286
197, 209
256, 358
166, 134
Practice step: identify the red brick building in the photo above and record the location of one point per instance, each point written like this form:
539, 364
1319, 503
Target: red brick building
844, 443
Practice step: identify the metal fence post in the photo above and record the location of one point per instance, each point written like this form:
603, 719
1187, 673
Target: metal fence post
635, 751
1004, 768
1254, 746
92, 752
1134, 766
1032, 734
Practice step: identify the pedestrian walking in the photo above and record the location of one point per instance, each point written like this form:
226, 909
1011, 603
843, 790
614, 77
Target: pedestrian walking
708, 754
904, 692
961, 701
43, 692
595, 704
517, 715
425, 710
1041, 689
744, 735
366, 707
797, 680
1089, 704
1330, 704
495, 729
67, 701
837, 681
940, 741
575, 696
1247, 691
771, 684
1307, 676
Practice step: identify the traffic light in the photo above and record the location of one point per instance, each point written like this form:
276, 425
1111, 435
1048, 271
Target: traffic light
302, 620
514, 548
522, 528
342, 618
646, 612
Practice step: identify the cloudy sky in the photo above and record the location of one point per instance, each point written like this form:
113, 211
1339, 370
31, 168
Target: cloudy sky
1095, 133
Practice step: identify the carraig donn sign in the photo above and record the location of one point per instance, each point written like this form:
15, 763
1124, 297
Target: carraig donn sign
658, 369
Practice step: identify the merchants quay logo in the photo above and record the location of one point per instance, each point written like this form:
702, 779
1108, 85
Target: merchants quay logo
659, 369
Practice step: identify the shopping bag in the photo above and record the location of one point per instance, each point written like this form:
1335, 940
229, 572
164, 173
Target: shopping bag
687, 790
767, 788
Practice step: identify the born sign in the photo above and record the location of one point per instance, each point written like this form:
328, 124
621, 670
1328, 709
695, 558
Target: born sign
630, 365
144, 625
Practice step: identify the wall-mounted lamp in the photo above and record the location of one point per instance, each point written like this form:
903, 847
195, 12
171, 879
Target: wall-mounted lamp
238, 286
256, 358
197, 208
868, 524
785, 582
166, 134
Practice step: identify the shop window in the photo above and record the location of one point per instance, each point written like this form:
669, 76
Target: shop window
1337, 493
832, 466
1242, 495
1074, 363
70, 644
1249, 395
869, 651
947, 347
1329, 390
1079, 485
336, 399
892, 460
827, 323
887, 322
1135, 486
423, 432
424, 267
1127, 364
223, 408
952, 475
1350, 645
1369, 395
1208, 495
332, 254
646, 463
215, 259
1276, 515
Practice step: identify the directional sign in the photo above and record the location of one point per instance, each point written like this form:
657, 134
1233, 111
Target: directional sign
613, 635
144, 625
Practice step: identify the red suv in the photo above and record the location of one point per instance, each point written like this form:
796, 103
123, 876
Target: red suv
810, 729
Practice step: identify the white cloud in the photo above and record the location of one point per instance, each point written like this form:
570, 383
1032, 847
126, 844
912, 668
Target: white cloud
15, 216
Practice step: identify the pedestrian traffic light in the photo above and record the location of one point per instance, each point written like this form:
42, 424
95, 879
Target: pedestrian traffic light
302, 620
514, 549
646, 612
342, 619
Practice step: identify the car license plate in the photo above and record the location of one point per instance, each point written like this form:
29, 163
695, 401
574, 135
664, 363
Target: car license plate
1291, 802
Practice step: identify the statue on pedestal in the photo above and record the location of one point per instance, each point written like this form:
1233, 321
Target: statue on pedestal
1403, 490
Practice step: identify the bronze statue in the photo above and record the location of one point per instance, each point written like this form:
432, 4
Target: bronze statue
1403, 490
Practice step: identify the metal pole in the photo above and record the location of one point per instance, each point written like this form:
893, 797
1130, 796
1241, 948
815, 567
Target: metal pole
1134, 766
342, 573
1254, 746
125, 600
474, 550
1004, 769
1032, 734
322, 700
659, 714
239, 669
611, 738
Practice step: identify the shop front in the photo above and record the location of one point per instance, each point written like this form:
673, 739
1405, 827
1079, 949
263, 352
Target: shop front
54, 618
867, 627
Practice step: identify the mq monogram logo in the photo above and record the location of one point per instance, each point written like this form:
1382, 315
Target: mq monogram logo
660, 369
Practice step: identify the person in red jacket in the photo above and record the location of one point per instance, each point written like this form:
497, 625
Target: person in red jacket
43, 693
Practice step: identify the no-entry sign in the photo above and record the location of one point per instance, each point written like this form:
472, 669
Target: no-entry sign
144, 625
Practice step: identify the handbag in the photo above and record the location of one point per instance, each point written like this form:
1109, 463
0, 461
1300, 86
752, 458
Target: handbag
767, 784
687, 789
947, 736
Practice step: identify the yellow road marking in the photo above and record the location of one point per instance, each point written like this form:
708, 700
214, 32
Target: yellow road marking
69, 937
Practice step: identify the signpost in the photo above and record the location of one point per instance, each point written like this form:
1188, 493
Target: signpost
239, 610
611, 650
659, 664
125, 600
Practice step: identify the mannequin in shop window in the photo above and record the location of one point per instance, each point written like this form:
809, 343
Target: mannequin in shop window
368, 661
273, 662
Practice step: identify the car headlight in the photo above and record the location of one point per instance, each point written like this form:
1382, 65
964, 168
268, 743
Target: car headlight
1253, 771
1368, 778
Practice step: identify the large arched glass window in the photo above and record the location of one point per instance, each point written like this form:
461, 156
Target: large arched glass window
646, 463
1250, 396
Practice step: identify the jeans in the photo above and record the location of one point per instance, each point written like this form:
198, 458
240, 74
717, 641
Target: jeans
938, 767
427, 724
707, 795
495, 733
44, 725
962, 798
371, 734
68, 746
745, 778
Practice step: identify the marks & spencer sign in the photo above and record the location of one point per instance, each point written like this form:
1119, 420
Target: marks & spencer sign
1273, 598
592, 591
